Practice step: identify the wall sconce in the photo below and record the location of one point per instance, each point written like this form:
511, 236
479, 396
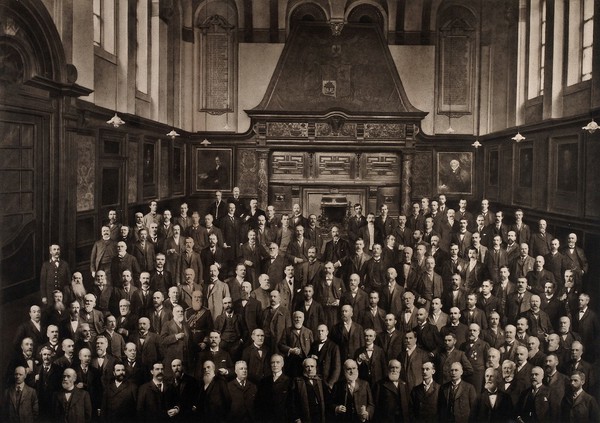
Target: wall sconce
591, 127
518, 137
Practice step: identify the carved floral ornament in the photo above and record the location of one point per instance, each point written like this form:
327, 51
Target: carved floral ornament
214, 23
340, 128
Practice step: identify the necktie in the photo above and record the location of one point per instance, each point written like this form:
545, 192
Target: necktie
159, 386
18, 394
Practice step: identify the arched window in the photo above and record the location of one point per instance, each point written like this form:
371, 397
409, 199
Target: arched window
104, 24
143, 44
580, 40
537, 48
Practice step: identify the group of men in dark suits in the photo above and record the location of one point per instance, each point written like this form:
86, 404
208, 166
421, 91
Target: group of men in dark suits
439, 315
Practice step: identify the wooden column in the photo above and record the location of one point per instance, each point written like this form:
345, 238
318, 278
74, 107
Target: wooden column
263, 178
406, 181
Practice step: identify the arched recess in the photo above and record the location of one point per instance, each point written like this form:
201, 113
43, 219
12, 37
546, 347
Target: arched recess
34, 76
368, 12
304, 10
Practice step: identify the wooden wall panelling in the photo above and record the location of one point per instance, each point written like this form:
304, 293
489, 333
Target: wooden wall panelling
149, 165
86, 172
178, 168
422, 174
165, 174
523, 174
247, 171
592, 175
564, 176
132, 170
281, 197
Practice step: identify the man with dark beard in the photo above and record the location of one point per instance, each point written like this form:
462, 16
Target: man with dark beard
185, 389
156, 399
249, 310
213, 400
199, 320
119, 398
55, 313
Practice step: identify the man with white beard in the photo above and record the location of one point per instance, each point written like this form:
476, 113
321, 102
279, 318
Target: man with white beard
176, 340
391, 396
199, 320
492, 405
214, 400
92, 316
75, 291
72, 404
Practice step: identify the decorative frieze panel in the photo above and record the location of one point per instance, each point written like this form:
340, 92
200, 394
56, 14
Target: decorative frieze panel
337, 166
385, 130
288, 165
379, 166
287, 129
86, 173
344, 130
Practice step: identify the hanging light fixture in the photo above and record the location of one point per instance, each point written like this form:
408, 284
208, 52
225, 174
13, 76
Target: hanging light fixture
518, 137
591, 127
173, 134
476, 144
116, 121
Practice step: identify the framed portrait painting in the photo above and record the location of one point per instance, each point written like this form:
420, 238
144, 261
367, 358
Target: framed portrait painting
213, 169
455, 172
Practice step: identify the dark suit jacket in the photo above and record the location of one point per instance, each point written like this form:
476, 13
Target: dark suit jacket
391, 344
127, 262
275, 269
538, 245
250, 315
328, 361
258, 367
588, 327
293, 340
152, 404
246, 253
423, 405
534, 408
242, 401
273, 399
149, 352
428, 336
366, 236
584, 409
334, 252
78, 409
24, 409
354, 225
460, 409
361, 397
52, 277
412, 365
145, 256
501, 412
373, 369
119, 404
391, 402
368, 321
299, 406
310, 273
445, 360
348, 342
176, 348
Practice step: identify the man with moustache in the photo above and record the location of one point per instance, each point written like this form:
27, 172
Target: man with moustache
147, 343
249, 310
119, 398
457, 398
156, 399
135, 371
295, 344
31, 329
534, 403
124, 261
229, 325
579, 407
20, 402
424, 397
72, 404
243, 395
55, 274
47, 381
476, 351
103, 252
